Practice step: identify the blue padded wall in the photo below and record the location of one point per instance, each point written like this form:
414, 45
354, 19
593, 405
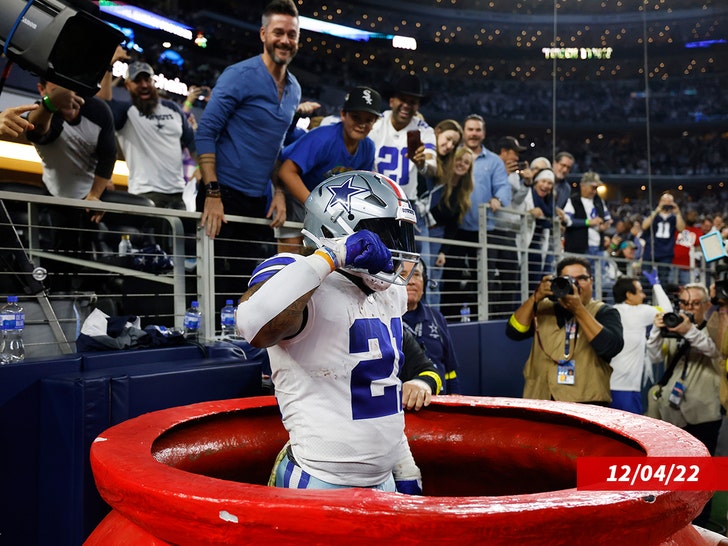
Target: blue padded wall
490, 363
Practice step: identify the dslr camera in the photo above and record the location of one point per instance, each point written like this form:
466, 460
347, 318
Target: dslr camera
562, 286
522, 165
671, 320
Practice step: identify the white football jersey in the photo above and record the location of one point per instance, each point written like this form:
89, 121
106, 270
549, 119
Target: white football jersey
337, 386
391, 148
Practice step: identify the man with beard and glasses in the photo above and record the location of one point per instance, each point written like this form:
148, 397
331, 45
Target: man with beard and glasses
152, 133
239, 138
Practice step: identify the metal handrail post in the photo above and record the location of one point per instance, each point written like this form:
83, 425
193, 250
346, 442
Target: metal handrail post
483, 296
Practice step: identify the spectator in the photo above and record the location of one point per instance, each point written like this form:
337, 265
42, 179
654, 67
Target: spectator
587, 217
448, 134
576, 338
718, 223
393, 154
540, 204
389, 134
12, 122
76, 143
349, 296
538, 164
659, 230
686, 254
490, 186
324, 152
447, 204
239, 138
563, 163
152, 133
75, 140
429, 328
628, 367
520, 178
688, 394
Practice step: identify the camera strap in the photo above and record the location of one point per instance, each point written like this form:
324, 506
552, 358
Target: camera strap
682, 351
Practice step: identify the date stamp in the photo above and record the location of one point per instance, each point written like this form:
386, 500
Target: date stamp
652, 473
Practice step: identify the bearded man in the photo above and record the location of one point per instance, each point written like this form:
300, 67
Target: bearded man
152, 133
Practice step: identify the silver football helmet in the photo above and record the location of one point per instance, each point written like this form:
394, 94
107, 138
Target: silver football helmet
357, 200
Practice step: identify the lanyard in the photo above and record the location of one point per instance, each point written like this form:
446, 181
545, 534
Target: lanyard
570, 328
569, 336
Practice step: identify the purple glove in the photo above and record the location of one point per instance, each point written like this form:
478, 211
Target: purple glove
652, 276
363, 250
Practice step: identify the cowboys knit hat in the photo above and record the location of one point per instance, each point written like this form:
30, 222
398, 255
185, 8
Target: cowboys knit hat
136, 68
510, 143
363, 99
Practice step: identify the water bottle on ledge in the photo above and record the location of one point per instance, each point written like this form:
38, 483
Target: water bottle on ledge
12, 318
465, 313
193, 318
125, 247
227, 320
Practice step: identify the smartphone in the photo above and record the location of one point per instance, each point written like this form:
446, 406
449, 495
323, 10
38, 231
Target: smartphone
413, 142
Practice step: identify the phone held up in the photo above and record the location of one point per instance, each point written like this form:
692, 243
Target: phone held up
413, 142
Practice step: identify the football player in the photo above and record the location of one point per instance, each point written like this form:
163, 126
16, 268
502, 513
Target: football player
332, 322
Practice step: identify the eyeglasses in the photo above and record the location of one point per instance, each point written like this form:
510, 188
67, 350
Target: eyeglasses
583, 278
691, 304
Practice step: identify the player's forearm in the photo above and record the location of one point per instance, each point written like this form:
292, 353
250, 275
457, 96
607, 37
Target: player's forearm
273, 311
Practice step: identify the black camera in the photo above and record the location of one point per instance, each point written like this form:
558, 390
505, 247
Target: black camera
671, 320
522, 165
721, 282
562, 286
667, 208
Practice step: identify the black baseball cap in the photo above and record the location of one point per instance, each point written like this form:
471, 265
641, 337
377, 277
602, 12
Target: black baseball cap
510, 143
363, 99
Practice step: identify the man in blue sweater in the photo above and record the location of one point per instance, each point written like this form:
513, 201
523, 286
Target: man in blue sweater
238, 141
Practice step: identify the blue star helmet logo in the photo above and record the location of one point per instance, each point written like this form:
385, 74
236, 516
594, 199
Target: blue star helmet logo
343, 193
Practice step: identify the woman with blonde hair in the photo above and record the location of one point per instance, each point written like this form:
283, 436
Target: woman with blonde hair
449, 201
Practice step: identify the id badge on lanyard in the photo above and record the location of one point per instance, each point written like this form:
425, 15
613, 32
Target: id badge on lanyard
566, 368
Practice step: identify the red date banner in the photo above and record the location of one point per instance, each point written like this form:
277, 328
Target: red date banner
652, 473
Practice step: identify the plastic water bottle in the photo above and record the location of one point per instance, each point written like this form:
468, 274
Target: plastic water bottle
125, 247
227, 319
13, 322
465, 313
193, 318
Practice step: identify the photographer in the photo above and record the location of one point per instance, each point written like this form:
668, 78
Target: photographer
575, 337
718, 327
688, 393
658, 231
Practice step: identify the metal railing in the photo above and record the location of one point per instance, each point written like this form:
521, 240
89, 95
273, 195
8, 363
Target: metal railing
99, 276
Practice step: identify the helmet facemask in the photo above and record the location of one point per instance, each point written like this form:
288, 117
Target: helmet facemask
373, 202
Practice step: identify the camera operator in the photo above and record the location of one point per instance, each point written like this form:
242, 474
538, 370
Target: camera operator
688, 393
575, 337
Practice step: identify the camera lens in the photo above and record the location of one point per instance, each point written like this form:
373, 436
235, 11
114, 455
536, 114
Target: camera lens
671, 319
562, 286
